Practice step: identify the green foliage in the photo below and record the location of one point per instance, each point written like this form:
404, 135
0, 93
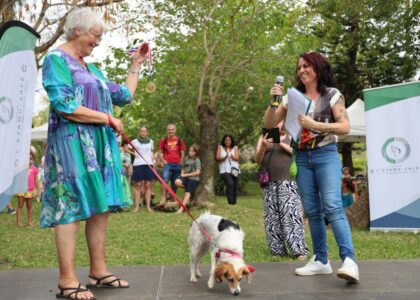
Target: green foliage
359, 164
253, 42
249, 172
224, 55
41, 118
370, 44
227, 55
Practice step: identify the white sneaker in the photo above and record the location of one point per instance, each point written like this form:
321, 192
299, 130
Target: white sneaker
349, 270
314, 268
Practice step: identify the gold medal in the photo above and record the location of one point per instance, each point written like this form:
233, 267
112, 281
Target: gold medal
150, 87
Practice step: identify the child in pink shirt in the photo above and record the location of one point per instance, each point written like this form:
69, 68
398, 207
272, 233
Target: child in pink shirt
27, 197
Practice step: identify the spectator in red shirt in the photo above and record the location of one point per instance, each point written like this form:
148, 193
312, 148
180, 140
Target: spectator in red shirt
171, 153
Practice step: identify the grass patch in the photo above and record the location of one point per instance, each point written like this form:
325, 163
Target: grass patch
161, 238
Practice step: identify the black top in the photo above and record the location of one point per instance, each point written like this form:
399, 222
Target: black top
13, 23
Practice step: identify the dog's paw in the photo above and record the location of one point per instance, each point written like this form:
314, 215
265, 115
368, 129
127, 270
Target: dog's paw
197, 273
210, 283
193, 279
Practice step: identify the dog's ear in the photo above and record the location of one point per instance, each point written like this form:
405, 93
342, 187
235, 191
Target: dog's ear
219, 273
246, 272
225, 223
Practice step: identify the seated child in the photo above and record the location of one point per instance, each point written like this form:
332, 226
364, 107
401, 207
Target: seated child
190, 173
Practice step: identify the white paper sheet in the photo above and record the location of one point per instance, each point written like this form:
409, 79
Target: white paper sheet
297, 104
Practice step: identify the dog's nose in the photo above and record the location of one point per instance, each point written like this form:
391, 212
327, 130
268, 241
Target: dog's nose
236, 292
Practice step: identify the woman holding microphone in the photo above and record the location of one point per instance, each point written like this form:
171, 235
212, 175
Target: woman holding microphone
319, 167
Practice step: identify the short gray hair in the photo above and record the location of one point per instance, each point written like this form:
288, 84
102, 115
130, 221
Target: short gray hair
84, 19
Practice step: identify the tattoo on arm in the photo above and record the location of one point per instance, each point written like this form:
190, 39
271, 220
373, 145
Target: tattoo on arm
342, 112
342, 115
329, 128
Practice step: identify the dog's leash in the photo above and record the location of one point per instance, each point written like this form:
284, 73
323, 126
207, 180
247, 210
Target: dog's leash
173, 194
167, 187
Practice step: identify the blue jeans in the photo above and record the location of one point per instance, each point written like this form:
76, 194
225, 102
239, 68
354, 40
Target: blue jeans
172, 172
319, 182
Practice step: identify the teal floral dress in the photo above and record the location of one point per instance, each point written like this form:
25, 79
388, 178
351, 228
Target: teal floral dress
82, 161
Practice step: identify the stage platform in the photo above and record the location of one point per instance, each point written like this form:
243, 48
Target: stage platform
382, 280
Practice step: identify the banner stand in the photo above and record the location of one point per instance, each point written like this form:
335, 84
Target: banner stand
393, 152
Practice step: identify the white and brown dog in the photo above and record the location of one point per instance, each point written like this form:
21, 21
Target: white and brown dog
226, 252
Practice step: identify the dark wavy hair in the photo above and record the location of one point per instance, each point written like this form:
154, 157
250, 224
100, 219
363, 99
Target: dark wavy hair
348, 182
322, 69
231, 138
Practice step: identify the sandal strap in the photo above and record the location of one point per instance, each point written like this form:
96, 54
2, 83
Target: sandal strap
116, 279
75, 290
99, 280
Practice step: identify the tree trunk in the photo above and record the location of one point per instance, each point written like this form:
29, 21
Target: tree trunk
347, 156
208, 143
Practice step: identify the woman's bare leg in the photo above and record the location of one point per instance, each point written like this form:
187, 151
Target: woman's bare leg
65, 240
148, 194
95, 235
20, 204
187, 197
137, 196
30, 211
163, 194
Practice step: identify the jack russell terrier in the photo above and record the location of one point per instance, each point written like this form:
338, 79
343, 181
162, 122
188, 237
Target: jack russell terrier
226, 251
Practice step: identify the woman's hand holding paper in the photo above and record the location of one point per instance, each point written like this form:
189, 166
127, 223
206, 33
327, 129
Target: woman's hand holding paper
306, 122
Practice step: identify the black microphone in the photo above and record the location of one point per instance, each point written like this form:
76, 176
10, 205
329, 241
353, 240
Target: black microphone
277, 99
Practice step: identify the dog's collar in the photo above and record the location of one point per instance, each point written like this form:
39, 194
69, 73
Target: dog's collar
228, 251
233, 254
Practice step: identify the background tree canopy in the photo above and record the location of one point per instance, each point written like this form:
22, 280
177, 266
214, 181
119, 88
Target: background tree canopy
215, 60
47, 17
369, 44
218, 59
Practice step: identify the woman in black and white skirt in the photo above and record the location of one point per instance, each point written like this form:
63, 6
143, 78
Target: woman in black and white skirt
283, 220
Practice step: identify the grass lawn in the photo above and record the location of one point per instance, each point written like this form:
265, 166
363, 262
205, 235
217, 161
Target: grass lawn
161, 238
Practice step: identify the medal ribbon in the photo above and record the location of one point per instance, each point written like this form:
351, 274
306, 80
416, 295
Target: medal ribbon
150, 62
149, 56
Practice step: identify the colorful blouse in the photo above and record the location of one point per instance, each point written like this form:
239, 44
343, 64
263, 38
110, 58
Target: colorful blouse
82, 161
321, 111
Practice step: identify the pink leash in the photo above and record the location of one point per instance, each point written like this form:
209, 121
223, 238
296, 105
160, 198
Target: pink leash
173, 194
167, 187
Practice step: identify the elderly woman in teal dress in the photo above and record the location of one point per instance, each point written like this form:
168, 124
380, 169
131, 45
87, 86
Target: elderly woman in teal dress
82, 160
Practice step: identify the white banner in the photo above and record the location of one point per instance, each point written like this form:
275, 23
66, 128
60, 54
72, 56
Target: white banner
393, 148
16, 105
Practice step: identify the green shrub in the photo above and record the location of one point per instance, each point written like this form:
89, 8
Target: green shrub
249, 173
